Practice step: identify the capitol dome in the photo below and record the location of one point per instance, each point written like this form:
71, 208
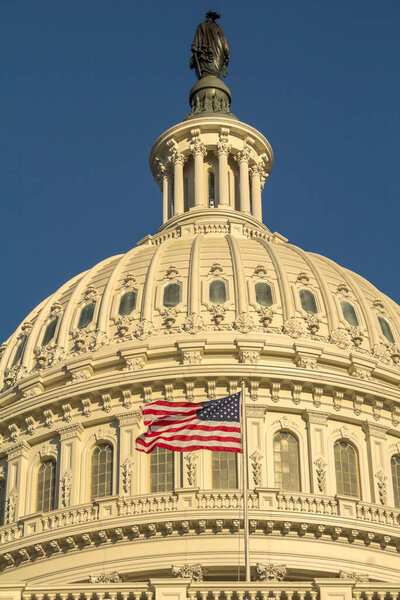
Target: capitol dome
211, 300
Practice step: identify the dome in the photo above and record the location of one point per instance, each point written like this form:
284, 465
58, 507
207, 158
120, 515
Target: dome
211, 304
171, 285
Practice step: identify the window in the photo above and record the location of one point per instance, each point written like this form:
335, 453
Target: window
211, 189
46, 486
395, 463
308, 303
286, 461
263, 294
86, 315
385, 328
101, 471
349, 313
217, 292
224, 471
346, 467
161, 470
127, 303
2, 500
172, 294
19, 351
50, 331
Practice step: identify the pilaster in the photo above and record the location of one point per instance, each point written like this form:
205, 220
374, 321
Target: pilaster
128, 425
375, 436
18, 461
70, 453
317, 423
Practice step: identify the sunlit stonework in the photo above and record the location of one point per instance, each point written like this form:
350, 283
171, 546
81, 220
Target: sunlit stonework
211, 298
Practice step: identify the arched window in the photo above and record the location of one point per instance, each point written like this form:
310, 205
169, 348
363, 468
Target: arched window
385, 328
224, 471
395, 464
49, 332
211, 189
286, 461
2, 500
101, 471
127, 303
263, 293
346, 467
161, 470
308, 303
217, 292
19, 351
172, 295
46, 486
349, 313
86, 315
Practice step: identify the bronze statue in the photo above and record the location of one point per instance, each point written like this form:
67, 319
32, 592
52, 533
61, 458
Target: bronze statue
210, 48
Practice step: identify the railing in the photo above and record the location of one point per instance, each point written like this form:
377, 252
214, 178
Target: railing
225, 500
324, 505
72, 516
147, 504
229, 590
378, 514
9, 533
91, 592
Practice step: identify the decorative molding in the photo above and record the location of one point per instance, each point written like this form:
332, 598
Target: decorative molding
192, 357
192, 572
113, 577
256, 466
126, 474
48, 418
193, 323
358, 577
244, 323
144, 330
191, 467
11, 506
86, 407
71, 431
294, 327
106, 399
320, 468
382, 486
66, 487
270, 572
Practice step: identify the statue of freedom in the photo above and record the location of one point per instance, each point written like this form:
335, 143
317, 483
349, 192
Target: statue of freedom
210, 48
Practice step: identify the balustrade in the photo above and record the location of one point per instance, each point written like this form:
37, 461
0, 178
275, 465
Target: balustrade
147, 504
323, 505
378, 514
221, 499
73, 516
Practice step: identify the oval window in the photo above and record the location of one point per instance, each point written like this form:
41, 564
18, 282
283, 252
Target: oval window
385, 328
263, 294
127, 303
349, 313
86, 315
50, 331
172, 294
217, 292
308, 303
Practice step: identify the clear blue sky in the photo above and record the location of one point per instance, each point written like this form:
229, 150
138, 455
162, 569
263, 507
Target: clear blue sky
88, 85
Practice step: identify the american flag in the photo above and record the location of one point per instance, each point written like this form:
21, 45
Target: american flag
186, 426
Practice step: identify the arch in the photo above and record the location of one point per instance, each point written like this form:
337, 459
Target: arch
101, 470
308, 302
161, 466
347, 469
395, 467
386, 330
349, 313
46, 485
224, 470
286, 461
91, 439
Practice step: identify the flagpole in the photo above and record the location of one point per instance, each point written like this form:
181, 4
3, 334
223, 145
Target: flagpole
245, 486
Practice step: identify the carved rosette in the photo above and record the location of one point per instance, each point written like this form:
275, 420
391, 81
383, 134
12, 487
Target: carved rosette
294, 327
244, 323
382, 352
193, 323
340, 337
144, 330
270, 572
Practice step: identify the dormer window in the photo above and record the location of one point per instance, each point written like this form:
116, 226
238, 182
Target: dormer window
86, 315
349, 313
308, 302
127, 303
263, 293
49, 332
217, 292
172, 295
385, 328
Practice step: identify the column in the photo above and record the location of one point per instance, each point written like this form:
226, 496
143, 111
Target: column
223, 150
70, 453
256, 192
165, 196
244, 187
378, 463
199, 151
317, 423
16, 481
129, 424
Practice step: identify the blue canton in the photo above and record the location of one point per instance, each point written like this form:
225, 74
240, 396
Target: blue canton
223, 409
